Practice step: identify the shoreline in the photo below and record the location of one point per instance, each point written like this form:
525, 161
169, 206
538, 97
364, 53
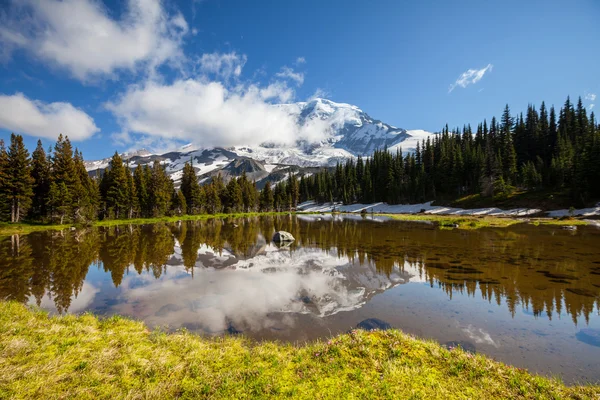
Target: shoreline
445, 220
89, 357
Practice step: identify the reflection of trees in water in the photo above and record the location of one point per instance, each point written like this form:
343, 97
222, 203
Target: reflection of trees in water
145, 247
524, 270
51, 263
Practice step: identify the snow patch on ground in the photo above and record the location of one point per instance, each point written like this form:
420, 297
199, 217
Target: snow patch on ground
586, 212
427, 208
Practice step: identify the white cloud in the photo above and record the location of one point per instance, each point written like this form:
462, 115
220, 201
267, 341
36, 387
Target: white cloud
222, 65
319, 94
22, 115
289, 73
590, 96
208, 113
276, 91
82, 37
470, 76
591, 106
300, 60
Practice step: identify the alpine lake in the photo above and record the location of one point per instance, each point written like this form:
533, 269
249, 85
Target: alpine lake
525, 295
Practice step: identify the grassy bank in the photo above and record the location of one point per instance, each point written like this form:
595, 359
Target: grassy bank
475, 222
463, 222
84, 357
7, 229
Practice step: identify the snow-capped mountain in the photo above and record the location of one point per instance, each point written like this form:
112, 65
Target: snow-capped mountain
338, 131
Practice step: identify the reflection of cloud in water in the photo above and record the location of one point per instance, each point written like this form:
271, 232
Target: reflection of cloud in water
478, 335
246, 294
79, 302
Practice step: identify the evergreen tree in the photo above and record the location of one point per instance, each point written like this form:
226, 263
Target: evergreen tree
191, 189
40, 171
4, 184
63, 180
266, 198
20, 181
116, 192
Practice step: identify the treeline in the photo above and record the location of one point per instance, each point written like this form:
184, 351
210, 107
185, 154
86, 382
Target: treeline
55, 186
538, 150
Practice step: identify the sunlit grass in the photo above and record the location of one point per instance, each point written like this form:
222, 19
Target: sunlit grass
86, 357
461, 222
7, 229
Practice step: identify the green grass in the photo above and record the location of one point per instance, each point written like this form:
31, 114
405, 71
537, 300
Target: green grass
85, 357
464, 222
7, 229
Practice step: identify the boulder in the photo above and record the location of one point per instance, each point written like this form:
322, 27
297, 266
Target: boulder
283, 236
372, 324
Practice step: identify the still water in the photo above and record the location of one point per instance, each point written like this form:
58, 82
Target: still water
525, 295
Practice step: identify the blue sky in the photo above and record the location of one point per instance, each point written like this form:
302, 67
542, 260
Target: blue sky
120, 75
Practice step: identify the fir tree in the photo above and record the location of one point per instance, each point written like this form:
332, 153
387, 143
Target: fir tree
40, 172
20, 181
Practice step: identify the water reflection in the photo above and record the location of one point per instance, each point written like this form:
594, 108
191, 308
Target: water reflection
220, 275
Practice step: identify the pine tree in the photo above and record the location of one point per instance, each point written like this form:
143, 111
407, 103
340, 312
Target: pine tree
63, 179
266, 198
190, 189
85, 194
116, 192
20, 182
160, 189
141, 185
4, 184
41, 177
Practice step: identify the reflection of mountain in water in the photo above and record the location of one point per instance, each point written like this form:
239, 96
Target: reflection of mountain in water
333, 265
247, 292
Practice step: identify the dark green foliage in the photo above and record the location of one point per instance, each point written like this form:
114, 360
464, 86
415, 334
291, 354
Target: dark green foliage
530, 152
19, 182
4, 184
191, 189
40, 171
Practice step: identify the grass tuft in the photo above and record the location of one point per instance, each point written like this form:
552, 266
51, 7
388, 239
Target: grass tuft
85, 357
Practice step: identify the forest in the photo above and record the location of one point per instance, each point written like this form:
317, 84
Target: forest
538, 150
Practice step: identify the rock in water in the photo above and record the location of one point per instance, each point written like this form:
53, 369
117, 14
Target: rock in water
283, 236
372, 324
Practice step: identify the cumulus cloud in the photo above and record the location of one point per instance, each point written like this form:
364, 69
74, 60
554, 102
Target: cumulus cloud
222, 65
209, 114
32, 117
289, 73
470, 76
590, 96
83, 38
300, 60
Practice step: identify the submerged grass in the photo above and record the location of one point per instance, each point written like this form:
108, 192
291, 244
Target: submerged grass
86, 357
